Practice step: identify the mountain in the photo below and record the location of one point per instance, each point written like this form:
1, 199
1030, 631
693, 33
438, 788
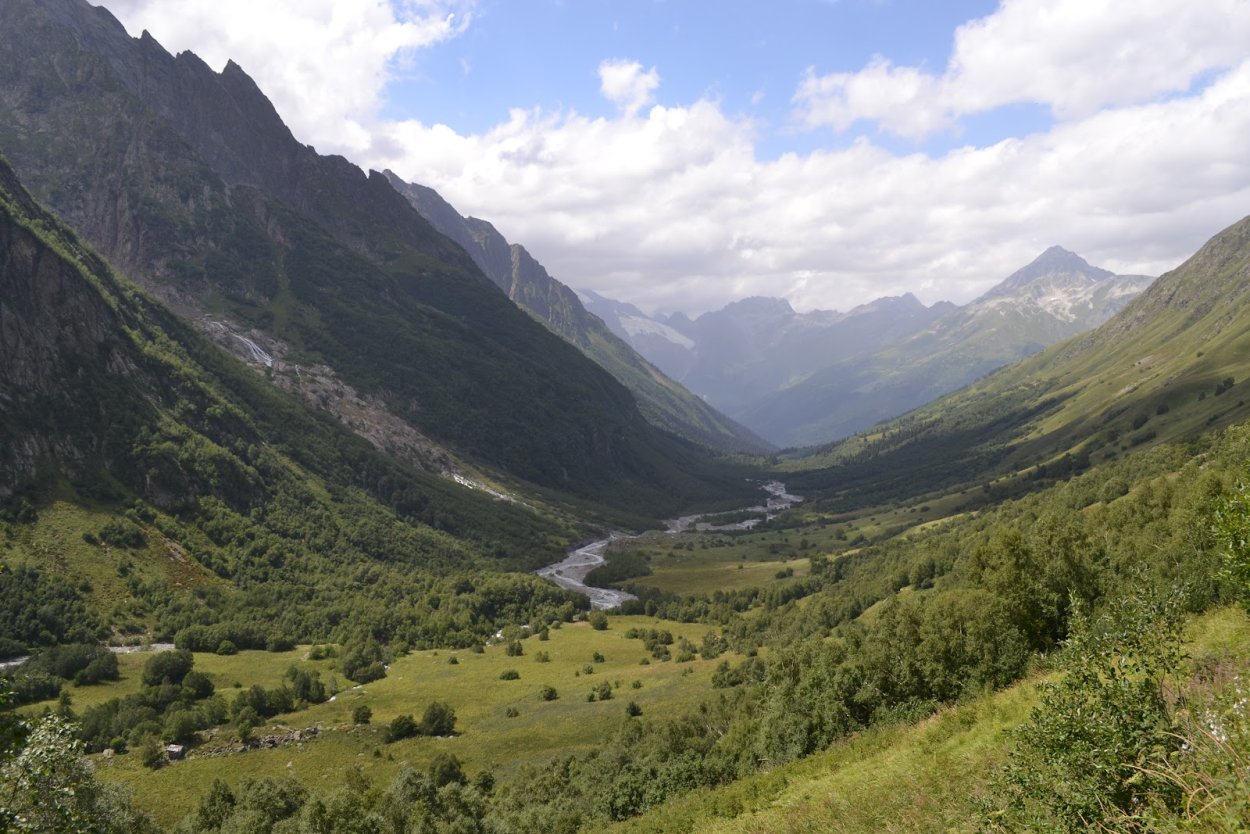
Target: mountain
662, 401
741, 356
1055, 297
135, 452
188, 180
1169, 366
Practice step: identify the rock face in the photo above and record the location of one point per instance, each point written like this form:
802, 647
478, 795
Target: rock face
189, 181
523, 279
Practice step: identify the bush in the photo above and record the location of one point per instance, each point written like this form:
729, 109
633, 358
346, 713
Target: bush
548, 693
226, 647
510, 675
169, 667
446, 769
633, 710
514, 649
361, 714
401, 727
439, 720
598, 620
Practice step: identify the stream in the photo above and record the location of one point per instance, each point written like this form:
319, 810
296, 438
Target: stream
570, 573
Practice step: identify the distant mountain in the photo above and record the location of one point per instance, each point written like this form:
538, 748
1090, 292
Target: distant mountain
743, 355
523, 279
800, 379
188, 180
1055, 297
1170, 365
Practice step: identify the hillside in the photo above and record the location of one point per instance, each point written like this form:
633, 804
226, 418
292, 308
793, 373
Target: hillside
171, 485
1169, 366
188, 180
662, 401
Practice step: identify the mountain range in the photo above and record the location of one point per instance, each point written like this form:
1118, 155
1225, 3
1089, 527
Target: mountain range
805, 378
662, 401
188, 181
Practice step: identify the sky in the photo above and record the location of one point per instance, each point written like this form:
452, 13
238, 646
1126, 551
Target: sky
682, 154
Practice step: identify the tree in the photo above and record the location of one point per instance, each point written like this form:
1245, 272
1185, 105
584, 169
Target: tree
169, 667
439, 720
401, 727
46, 785
1091, 755
445, 769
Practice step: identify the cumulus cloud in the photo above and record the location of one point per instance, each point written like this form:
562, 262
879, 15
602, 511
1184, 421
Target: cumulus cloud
669, 206
323, 63
1073, 56
625, 84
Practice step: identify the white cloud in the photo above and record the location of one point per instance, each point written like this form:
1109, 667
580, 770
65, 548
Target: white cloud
674, 210
1073, 56
668, 206
625, 84
323, 63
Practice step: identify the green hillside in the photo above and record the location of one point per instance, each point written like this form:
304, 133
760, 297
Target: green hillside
1168, 367
169, 485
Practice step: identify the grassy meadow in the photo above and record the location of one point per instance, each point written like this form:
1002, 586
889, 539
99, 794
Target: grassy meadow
489, 736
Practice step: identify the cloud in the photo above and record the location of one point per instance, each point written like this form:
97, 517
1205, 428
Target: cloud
323, 63
674, 210
668, 206
1072, 56
625, 84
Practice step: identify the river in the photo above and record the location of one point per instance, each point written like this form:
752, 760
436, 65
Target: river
570, 572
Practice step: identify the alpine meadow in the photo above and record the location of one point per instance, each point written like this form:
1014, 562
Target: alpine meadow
326, 506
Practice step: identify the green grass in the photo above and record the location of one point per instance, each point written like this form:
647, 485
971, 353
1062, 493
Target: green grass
486, 739
924, 777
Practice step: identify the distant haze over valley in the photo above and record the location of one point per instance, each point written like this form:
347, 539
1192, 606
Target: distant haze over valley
809, 378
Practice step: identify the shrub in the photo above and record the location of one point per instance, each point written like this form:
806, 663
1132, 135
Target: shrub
361, 714
169, 666
514, 649
439, 720
598, 620
401, 727
548, 693
509, 675
633, 710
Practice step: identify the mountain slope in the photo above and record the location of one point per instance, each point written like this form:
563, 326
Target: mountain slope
188, 180
523, 279
1168, 366
1055, 297
181, 488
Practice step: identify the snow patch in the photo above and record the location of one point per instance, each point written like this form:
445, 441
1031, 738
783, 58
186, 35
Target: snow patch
637, 325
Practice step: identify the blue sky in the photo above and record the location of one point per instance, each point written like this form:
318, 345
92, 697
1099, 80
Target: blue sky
680, 154
546, 54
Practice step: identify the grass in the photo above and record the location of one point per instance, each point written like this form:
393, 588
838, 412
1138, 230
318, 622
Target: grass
925, 777
487, 738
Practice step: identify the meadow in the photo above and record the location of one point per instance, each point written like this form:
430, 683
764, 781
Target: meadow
500, 724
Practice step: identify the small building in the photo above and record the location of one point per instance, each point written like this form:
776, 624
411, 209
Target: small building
174, 752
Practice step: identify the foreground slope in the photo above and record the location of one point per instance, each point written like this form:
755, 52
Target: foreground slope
663, 402
189, 181
1169, 366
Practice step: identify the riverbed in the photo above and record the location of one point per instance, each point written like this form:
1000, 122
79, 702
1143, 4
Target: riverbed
570, 573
